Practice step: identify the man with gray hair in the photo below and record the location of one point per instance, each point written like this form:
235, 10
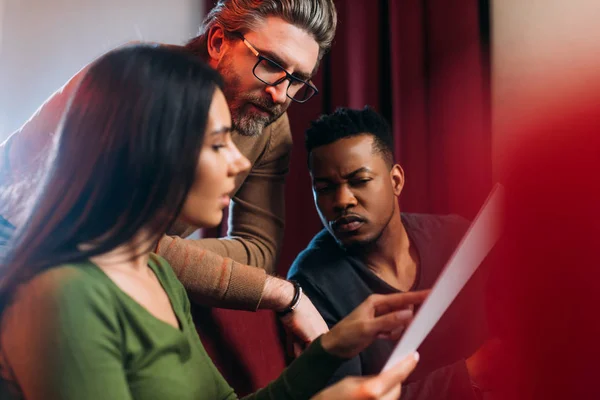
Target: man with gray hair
267, 51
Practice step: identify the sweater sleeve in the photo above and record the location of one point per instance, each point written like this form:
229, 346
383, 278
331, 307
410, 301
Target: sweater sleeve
61, 340
305, 376
211, 279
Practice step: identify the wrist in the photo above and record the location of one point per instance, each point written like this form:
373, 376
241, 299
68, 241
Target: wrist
330, 344
295, 300
277, 294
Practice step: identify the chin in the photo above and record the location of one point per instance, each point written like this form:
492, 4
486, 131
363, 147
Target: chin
204, 222
356, 242
213, 222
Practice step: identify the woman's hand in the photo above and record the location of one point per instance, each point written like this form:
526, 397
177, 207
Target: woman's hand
379, 316
385, 386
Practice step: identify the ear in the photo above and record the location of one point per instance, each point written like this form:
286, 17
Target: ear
397, 176
216, 44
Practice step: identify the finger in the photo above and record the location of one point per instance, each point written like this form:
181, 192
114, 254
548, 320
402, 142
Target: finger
397, 301
388, 380
396, 333
394, 393
386, 324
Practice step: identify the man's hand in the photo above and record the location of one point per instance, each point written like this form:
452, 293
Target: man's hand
385, 386
379, 316
304, 324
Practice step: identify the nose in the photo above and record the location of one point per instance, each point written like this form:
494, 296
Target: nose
344, 198
278, 93
237, 162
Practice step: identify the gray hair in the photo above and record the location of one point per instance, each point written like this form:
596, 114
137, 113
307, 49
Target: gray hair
317, 17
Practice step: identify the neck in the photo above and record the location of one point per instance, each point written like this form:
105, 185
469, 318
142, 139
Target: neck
132, 255
392, 257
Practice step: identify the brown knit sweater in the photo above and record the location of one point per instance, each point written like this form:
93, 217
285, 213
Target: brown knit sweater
217, 272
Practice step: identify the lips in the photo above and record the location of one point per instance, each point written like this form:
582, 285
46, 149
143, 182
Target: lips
225, 200
347, 223
263, 109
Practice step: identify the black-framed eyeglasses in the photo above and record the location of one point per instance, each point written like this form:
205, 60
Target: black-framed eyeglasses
271, 73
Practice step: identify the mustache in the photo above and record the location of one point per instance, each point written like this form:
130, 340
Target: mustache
266, 105
346, 219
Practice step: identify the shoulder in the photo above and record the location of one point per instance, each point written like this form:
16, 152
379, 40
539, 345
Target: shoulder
437, 234
66, 281
321, 256
451, 224
66, 298
69, 288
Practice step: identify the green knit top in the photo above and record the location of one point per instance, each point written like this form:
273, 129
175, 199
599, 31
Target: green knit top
71, 333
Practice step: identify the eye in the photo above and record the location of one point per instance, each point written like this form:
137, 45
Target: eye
361, 182
323, 189
270, 66
221, 141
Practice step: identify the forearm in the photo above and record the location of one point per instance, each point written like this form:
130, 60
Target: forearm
248, 248
249, 251
221, 282
211, 279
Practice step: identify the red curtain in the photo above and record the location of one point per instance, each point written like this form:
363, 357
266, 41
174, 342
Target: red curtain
423, 64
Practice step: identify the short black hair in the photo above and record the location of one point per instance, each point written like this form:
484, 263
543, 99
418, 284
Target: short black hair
347, 122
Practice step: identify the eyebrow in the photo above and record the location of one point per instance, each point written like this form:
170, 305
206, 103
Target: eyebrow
225, 129
273, 57
347, 176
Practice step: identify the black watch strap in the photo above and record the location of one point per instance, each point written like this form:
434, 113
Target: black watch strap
295, 300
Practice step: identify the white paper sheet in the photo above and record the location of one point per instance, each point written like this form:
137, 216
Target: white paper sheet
474, 246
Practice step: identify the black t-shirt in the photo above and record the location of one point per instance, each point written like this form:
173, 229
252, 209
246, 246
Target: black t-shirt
337, 283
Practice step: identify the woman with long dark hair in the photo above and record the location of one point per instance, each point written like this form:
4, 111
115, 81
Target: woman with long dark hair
88, 312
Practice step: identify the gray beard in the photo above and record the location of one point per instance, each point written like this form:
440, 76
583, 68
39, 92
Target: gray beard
250, 126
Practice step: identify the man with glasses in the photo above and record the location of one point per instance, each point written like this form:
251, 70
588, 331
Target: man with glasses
267, 52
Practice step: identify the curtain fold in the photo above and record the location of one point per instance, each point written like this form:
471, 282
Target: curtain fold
423, 65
